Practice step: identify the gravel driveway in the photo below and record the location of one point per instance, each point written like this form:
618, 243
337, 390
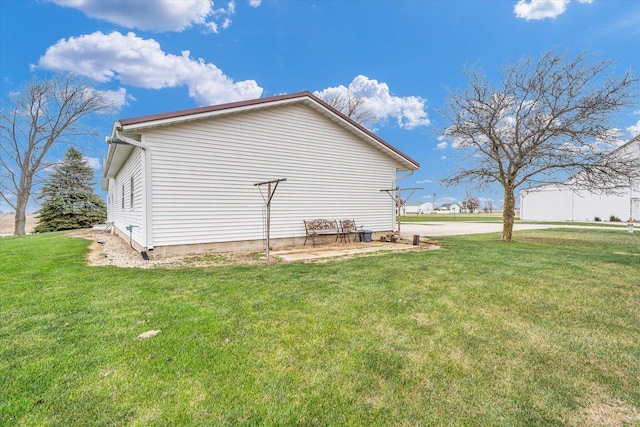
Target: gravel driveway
435, 229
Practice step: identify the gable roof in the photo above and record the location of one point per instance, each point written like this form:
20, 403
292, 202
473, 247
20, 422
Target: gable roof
136, 125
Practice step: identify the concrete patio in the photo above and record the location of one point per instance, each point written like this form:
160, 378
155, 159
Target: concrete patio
340, 250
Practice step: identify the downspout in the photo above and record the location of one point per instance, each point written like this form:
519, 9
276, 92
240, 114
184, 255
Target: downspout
146, 162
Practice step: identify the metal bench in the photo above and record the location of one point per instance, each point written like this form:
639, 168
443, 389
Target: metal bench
349, 227
318, 227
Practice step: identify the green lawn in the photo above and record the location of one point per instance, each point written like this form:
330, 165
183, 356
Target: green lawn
541, 331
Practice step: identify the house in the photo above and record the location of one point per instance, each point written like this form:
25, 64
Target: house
417, 208
449, 208
184, 181
558, 202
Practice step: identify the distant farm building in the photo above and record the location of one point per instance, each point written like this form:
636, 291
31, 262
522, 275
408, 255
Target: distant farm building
566, 203
448, 208
417, 208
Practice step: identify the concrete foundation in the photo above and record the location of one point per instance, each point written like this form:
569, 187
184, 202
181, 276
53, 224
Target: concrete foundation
160, 252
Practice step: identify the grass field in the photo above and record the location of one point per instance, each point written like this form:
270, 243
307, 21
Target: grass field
7, 223
541, 331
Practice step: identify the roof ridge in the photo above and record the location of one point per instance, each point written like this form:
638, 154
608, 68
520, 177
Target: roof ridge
258, 101
211, 108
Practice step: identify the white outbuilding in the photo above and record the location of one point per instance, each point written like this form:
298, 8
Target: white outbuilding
417, 208
184, 181
567, 203
449, 208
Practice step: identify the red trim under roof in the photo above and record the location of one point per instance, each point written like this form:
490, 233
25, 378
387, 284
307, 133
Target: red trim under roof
259, 101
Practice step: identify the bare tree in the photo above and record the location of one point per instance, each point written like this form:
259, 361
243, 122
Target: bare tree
472, 203
42, 114
488, 205
351, 106
545, 120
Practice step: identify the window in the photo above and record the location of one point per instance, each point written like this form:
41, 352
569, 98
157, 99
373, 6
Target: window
131, 198
123, 196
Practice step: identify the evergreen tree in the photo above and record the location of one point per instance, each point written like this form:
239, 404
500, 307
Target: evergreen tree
70, 202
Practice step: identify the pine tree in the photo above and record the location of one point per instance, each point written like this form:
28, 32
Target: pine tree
70, 202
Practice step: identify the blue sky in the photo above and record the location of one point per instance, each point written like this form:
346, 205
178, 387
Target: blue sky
402, 56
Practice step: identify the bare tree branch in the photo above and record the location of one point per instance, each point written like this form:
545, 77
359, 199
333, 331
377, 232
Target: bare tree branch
351, 106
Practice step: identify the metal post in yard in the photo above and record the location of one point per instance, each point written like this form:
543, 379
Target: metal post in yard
396, 195
267, 200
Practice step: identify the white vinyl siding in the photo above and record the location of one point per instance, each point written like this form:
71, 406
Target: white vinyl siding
128, 204
203, 176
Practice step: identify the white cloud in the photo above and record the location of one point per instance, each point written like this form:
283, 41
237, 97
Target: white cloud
443, 157
442, 144
542, 9
455, 141
140, 62
118, 98
213, 27
612, 137
231, 8
92, 162
255, 3
408, 112
424, 181
157, 15
634, 130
